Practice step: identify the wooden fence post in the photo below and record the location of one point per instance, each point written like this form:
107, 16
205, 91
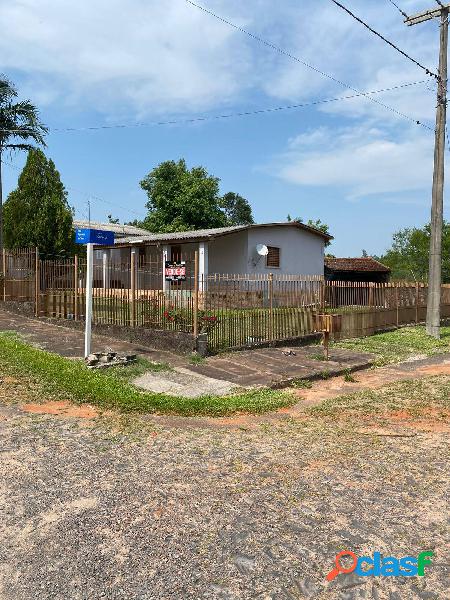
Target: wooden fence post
75, 289
270, 290
397, 303
195, 307
4, 274
37, 283
417, 302
133, 289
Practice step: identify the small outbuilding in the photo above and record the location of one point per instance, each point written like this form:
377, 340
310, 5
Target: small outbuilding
365, 269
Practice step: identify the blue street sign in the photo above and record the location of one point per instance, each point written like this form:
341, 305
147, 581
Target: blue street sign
94, 236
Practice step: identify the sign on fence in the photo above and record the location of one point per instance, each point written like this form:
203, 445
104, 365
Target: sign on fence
94, 236
175, 271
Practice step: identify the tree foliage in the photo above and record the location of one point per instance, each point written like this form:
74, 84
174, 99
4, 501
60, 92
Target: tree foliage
237, 209
19, 123
180, 199
408, 256
36, 213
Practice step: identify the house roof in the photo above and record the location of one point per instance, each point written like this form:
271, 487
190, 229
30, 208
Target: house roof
360, 265
119, 229
207, 234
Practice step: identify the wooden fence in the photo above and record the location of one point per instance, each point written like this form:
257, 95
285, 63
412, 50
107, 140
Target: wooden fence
232, 310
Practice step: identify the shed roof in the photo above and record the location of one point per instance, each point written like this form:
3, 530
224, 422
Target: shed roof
207, 234
360, 265
119, 229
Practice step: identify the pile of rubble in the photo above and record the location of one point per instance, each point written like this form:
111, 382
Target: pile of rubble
103, 360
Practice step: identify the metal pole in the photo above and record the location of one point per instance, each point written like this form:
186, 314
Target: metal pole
37, 282
133, 287
75, 283
89, 275
195, 307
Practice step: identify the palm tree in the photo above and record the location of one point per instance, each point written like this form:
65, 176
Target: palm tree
19, 123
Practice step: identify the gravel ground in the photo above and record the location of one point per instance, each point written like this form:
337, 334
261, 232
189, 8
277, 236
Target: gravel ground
118, 508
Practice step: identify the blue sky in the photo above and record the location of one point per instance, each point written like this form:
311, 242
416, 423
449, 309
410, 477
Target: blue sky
353, 164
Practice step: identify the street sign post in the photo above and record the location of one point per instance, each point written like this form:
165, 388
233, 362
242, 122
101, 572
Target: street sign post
91, 237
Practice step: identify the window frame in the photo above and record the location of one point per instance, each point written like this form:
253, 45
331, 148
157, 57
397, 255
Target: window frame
279, 257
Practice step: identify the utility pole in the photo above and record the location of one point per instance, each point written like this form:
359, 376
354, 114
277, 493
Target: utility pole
437, 206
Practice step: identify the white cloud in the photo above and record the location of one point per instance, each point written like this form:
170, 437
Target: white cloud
360, 161
146, 56
153, 56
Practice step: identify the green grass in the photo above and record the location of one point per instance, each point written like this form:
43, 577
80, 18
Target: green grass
196, 359
395, 346
417, 396
141, 366
110, 390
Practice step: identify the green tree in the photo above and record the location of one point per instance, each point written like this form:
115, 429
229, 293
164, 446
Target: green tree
19, 123
237, 209
36, 213
409, 254
180, 199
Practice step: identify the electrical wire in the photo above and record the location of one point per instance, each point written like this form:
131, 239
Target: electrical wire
242, 113
301, 61
402, 12
85, 194
413, 60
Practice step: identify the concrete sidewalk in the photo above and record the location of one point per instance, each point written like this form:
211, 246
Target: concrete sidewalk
218, 375
69, 342
277, 367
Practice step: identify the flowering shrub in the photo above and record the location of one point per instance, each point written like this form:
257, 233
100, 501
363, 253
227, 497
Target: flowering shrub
206, 322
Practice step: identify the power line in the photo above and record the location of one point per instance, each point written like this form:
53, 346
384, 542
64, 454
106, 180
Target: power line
402, 12
413, 60
299, 60
85, 194
239, 114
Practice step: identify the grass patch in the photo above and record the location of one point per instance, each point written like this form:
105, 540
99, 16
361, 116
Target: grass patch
301, 384
196, 359
398, 345
416, 396
348, 377
141, 366
106, 389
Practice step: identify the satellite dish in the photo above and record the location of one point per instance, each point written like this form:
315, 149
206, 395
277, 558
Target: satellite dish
262, 250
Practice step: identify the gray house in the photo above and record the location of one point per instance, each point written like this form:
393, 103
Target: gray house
280, 248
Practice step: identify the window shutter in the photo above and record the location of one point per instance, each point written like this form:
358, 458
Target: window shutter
273, 257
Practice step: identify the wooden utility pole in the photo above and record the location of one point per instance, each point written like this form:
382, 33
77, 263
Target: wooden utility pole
437, 206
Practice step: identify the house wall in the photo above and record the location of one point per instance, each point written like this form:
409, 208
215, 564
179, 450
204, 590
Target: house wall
301, 252
229, 254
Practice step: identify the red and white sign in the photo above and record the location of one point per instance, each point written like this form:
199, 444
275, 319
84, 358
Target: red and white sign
175, 271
